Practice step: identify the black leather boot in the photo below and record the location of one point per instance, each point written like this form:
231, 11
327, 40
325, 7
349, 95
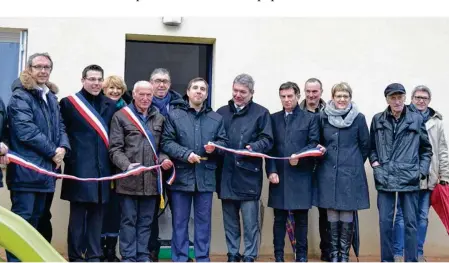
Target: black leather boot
345, 240
334, 230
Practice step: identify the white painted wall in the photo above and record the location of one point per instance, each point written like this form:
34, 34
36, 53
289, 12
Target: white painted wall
367, 53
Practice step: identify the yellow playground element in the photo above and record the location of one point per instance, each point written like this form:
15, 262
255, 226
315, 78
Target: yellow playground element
20, 238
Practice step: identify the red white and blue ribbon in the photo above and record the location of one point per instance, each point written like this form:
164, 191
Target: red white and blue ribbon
314, 152
91, 116
17, 159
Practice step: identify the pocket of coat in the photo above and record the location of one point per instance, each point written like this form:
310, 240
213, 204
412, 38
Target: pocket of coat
210, 174
247, 182
409, 173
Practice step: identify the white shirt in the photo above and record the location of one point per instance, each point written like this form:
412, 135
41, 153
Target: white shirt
45, 90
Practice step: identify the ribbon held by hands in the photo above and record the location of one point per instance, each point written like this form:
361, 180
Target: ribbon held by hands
314, 152
15, 158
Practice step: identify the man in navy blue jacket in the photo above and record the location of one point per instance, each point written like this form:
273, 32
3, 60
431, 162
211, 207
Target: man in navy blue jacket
37, 133
248, 126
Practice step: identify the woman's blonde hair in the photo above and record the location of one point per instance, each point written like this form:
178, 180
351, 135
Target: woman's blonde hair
115, 81
342, 86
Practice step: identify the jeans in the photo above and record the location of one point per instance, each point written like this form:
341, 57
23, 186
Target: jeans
386, 206
30, 206
231, 221
181, 205
423, 212
137, 214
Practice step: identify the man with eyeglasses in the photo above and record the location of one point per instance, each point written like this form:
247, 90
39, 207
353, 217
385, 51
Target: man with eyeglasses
164, 100
38, 134
87, 116
400, 156
439, 171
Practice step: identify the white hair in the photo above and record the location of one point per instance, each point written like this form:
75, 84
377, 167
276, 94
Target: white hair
142, 83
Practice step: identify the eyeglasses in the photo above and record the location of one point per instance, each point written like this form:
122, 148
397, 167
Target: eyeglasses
345, 97
40, 67
159, 81
92, 79
421, 98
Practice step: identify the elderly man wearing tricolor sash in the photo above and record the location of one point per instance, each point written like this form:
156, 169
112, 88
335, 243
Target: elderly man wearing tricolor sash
189, 127
136, 131
87, 116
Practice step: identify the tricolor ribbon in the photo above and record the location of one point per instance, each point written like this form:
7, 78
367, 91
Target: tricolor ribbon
308, 153
91, 116
17, 159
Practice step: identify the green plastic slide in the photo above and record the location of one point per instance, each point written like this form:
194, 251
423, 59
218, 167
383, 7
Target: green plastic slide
20, 238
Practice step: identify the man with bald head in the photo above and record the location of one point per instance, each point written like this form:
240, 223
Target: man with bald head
131, 146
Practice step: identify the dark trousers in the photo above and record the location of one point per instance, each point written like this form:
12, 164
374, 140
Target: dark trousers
386, 206
251, 230
154, 245
324, 231
137, 215
279, 230
44, 227
84, 231
29, 206
202, 205
111, 219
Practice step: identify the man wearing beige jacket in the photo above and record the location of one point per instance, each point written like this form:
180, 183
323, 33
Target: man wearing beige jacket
439, 171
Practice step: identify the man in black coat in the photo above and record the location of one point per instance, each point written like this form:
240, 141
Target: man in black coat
248, 126
87, 116
294, 131
400, 157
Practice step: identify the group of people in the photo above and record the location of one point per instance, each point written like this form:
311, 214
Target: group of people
96, 133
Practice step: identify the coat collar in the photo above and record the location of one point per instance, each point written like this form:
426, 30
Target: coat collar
29, 83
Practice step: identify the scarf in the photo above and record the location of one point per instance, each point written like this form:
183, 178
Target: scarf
120, 104
335, 115
162, 104
424, 114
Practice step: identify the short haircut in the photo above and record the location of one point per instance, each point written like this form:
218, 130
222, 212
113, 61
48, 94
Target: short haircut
195, 80
162, 71
92, 67
35, 55
115, 81
342, 86
422, 88
245, 80
290, 85
312, 80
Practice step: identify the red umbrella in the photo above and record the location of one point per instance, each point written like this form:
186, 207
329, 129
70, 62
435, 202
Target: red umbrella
440, 202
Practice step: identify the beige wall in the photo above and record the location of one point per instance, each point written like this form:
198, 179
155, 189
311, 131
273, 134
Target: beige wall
367, 53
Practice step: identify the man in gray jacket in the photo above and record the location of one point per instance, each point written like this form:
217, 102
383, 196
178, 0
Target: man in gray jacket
400, 157
439, 171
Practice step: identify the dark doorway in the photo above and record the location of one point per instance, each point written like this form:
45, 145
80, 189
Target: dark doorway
184, 61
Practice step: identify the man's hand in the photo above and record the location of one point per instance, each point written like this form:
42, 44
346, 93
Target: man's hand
3, 149
167, 164
132, 166
209, 148
376, 163
4, 159
322, 148
193, 158
294, 161
248, 147
274, 178
59, 156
